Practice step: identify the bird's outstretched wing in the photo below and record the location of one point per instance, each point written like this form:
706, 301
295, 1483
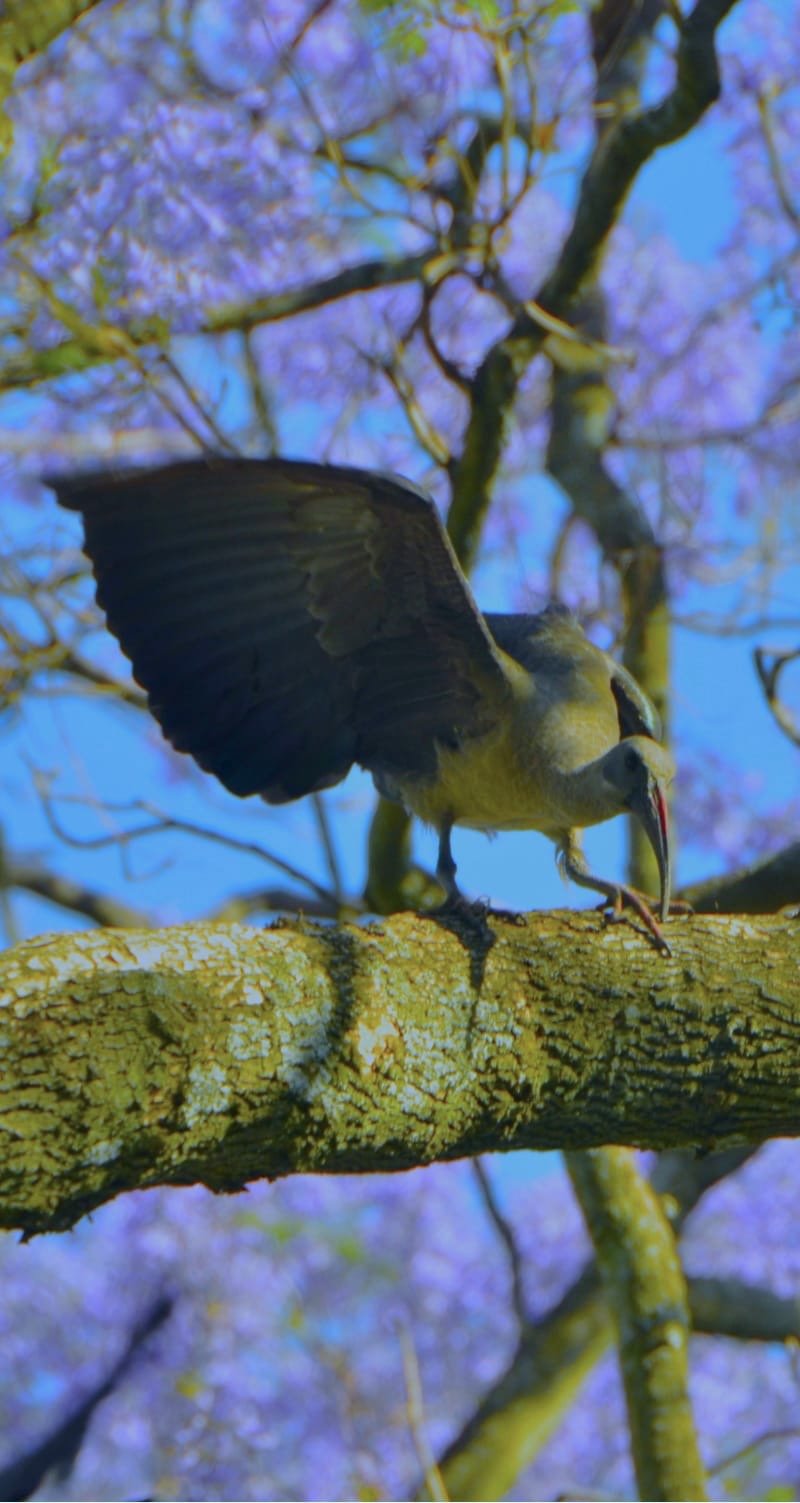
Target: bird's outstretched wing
287, 619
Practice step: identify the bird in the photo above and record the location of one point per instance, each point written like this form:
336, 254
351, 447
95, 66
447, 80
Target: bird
288, 619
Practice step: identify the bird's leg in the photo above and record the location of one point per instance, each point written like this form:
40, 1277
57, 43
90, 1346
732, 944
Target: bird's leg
618, 896
455, 902
446, 866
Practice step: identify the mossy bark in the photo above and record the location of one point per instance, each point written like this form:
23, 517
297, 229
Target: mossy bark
646, 1291
223, 1054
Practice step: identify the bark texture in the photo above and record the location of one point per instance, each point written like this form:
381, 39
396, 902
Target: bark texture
646, 1289
224, 1054
526, 1403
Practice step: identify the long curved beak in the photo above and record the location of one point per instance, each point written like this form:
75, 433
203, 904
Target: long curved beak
650, 808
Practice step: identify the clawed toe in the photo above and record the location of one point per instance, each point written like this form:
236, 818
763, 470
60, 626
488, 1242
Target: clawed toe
475, 913
678, 908
508, 916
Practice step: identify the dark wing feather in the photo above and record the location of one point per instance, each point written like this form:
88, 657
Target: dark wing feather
288, 619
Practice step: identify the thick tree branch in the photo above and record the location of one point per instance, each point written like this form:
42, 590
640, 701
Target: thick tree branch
630, 143
617, 158
524, 1406
224, 1054
745, 1312
646, 1290
763, 887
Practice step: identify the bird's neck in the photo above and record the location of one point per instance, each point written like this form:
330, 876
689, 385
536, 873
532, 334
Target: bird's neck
583, 793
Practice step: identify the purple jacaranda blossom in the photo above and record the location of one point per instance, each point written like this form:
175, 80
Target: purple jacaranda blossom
281, 1364
743, 828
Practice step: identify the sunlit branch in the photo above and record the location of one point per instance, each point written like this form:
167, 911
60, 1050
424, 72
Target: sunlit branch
645, 1287
416, 1419
520, 1411
225, 1054
426, 435
26, 29
96, 343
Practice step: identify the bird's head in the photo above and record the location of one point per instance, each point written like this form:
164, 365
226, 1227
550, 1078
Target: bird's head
639, 771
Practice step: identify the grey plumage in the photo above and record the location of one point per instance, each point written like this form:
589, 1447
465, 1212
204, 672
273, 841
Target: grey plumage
288, 619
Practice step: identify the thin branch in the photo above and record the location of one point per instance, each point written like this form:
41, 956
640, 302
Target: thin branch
193, 397
506, 1233
73, 896
415, 1412
241, 906
56, 1455
766, 1437
769, 667
158, 823
93, 344
785, 199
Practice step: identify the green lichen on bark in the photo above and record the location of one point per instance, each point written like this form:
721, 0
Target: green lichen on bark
223, 1054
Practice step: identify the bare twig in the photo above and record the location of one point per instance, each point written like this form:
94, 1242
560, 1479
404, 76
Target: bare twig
160, 822
434, 1485
769, 666
767, 1437
506, 1232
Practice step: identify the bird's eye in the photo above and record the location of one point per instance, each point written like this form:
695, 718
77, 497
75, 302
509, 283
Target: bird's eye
631, 760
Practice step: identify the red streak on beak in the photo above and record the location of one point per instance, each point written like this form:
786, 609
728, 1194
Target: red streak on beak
661, 810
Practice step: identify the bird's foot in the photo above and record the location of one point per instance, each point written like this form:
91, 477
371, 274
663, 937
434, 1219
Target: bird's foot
678, 907
509, 916
627, 897
474, 913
